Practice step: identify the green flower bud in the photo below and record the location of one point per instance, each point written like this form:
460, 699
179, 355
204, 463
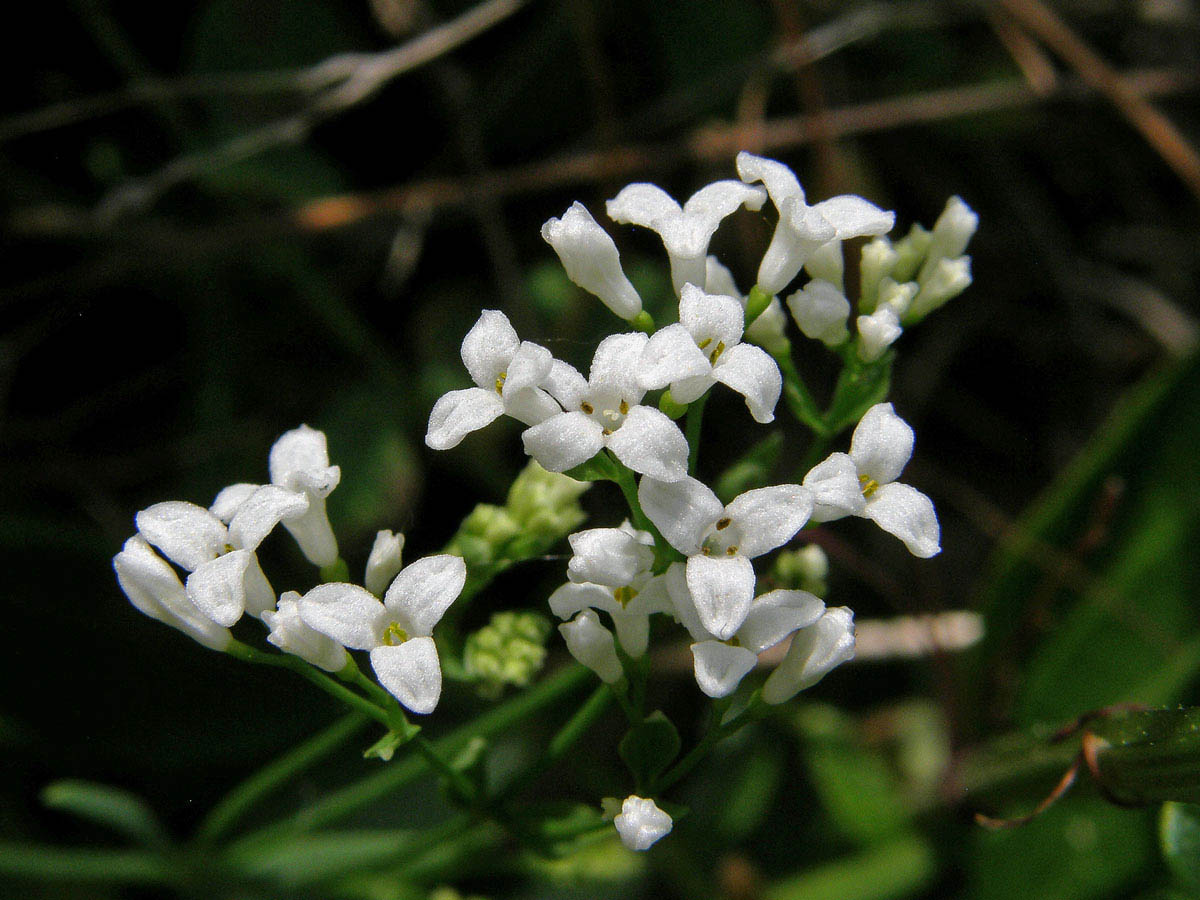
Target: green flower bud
510, 649
805, 569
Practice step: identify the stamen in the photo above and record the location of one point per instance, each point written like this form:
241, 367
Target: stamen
724, 523
704, 343
500, 382
587, 407
716, 354
624, 408
394, 635
869, 485
624, 594
731, 550
706, 550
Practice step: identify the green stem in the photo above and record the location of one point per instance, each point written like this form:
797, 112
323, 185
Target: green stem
624, 480
695, 419
620, 691
459, 783
796, 394
752, 713
234, 805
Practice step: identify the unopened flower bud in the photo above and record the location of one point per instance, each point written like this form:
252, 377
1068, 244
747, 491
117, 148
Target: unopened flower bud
821, 311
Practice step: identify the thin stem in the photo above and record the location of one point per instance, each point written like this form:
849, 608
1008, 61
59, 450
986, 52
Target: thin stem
620, 690
752, 713
624, 480
796, 394
458, 782
695, 419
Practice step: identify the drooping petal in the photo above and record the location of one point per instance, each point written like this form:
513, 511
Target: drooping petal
608, 556
643, 204
257, 516
411, 672
769, 517
185, 533
384, 561
651, 444
775, 615
564, 441
299, 461
420, 595
720, 668
616, 364
853, 217
590, 259
640, 823
489, 347
827, 263
592, 645
218, 587
528, 368
682, 511
458, 413
226, 504
571, 598
751, 372
566, 385
800, 231
814, 651
691, 389
682, 603
670, 355
714, 202
779, 180
711, 319
722, 589
835, 487
821, 311
291, 635
882, 444
349, 614
633, 631
904, 511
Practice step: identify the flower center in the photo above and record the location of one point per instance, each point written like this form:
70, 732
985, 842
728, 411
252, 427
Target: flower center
608, 411
394, 635
869, 485
717, 351
500, 382
624, 594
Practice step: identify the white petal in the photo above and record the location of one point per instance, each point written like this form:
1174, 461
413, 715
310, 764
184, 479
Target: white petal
908, 514
258, 515
633, 631
769, 330
616, 365
671, 354
643, 204
882, 444
532, 406
218, 587
458, 413
226, 504
775, 615
420, 595
608, 556
566, 385
185, 533
313, 533
384, 562
641, 823
349, 614
780, 181
590, 259
769, 517
571, 598
683, 605
715, 318
260, 596
705, 209
876, 333
952, 231
751, 372
651, 444
682, 510
853, 217
411, 672
722, 589
815, 651
719, 280
827, 263
300, 461
291, 635
835, 487
489, 347
691, 389
592, 645
564, 441
720, 668
528, 368
821, 311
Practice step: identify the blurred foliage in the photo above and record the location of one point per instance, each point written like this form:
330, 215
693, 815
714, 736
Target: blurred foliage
156, 351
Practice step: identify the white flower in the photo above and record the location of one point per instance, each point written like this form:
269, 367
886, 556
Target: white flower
610, 571
803, 229
590, 259
397, 632
876, 333
605, 411
769, 327
592, 645
299, 462
155, 590
686, 230
814, 651
290, 634
226, 579
719, 541
507, 373
705, 347
821, 310
951, 233
863, 483
384, 562
640, 823
721, 665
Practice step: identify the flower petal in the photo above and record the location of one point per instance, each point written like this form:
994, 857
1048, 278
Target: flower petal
633, 630
528, 368
681, 510
775, 615
258, 515
814, 651
835, 487
411, 672
420, 595
780, 181
876, 333
751, 372
299, 460
458, 413
882, 444
904, 511
704, 211
384, 561
566, 385
719, 280
711, 319
564, 441
571, 598
218, 587
671, 354
313, 533
769, 517
590, 259
291, 635
616, 365
226, 504
643, 204
532, 406
592, 645
651, 444
720, 668
853, 217
609, 556
821, 311
722, 589
349, 614
185, 533
488, 347
640, 823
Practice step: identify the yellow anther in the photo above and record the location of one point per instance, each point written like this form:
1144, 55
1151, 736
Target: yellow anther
228, 548
587, 407
624, 408
869, 485
624, 594
394, 635
731, 550
716, 354
706, 550
500, 382
724, 523
704, 343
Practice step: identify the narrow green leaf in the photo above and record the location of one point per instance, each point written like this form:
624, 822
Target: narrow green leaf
650, 747
42, 863
898, 868
111, 807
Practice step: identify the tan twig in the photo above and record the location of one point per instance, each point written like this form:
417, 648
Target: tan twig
1158, 130
1025, 52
